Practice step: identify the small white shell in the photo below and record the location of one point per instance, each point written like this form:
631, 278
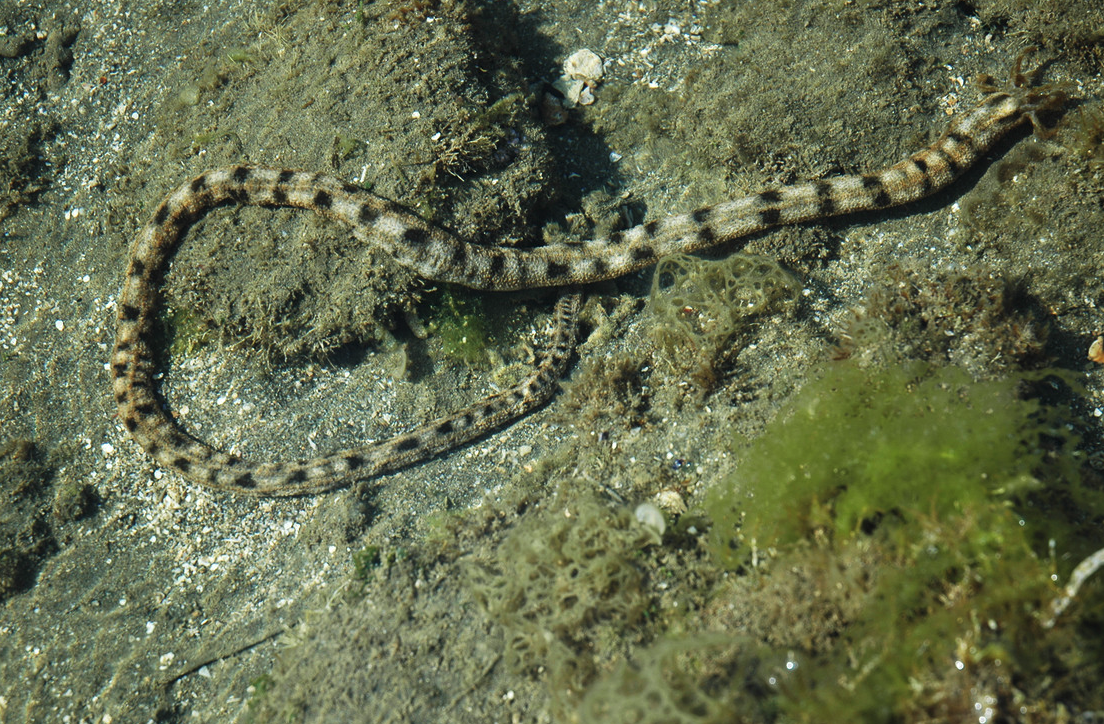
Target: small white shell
584, 65
651, 516
1096, 350
670, 501
572, 91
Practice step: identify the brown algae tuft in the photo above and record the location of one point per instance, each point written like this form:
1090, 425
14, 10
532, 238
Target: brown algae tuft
555, 578
700, 306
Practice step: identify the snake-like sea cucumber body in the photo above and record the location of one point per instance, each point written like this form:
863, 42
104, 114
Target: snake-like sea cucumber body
437, 255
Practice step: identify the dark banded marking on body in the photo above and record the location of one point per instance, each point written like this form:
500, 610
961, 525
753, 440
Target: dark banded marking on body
770, 217
437, 255
161, 214
557, 270
919, 169
948, 161
406, 444
879, 196
414, 237
825, 205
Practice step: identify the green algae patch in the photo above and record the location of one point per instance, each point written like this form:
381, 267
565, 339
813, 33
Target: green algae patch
902, 518
469, 325
857, 445
185, 332
460, 321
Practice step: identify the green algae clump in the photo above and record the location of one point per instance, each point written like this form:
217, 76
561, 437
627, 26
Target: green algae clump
901, 518
460, 321
856, 445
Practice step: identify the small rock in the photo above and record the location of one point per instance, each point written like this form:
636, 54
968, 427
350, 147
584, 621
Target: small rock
584, 65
